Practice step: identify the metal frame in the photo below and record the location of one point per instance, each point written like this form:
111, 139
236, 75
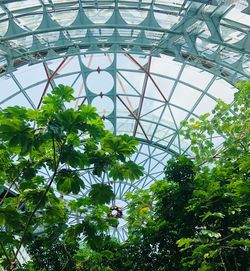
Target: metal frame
201, 37
180, 40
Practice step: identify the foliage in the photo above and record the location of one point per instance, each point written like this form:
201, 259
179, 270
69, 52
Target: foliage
101, 193
158, 218
44, 152
198, 217
41, 250
222, 191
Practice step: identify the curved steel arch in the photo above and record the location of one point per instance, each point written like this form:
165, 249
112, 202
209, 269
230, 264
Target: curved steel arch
197, 35
179, 40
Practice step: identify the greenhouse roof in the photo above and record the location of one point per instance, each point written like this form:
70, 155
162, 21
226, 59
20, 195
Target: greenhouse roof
145, 65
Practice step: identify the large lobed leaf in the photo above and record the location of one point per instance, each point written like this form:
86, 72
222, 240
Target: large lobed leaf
101, 193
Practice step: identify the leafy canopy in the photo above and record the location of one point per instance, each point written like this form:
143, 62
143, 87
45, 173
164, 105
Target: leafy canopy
43, 153
196, 218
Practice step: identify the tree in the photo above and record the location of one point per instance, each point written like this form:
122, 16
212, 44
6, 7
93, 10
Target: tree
43, 153
197, 218
222, 189
158, 218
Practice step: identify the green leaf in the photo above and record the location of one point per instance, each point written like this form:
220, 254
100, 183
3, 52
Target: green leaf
211, 233
33, 196
184, 242
73, 158
69, 181
54, 103
101, 193
128, 170
107, 254
180, 169
2, 219
33, 114
66, 119
122, 146
65, 92
10, 217
15, 112
87, 112
242, 242
209, 215
73, 139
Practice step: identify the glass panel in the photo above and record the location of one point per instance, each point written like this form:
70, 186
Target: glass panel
125, 126
98, 16
239, 4
99, 60
35, 93
205, 105
166, 21
8, 88
69, 66
206, 47
153, 35
22, 101
178, 115
127, 107
230, 35
78, 86
100, 82
132, 80
148, 127
108, 125
170, 2
60, 1
65, 18
235, 14
25, 42
124, 62
69, 80
184, 96
133, 16
104, 105
31, 21
3, 63
29, 75
154, 91
246, 64
165, 66
128, 32
229, 56
102, 32
163, 135
221, 89
164, 84
3, 28
18, 5
196, 77
78, 33
50, 36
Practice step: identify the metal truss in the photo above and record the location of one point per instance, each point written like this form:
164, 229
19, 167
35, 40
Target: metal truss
141, 102
146, 65
197, 32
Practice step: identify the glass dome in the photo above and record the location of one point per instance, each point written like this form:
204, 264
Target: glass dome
145, 65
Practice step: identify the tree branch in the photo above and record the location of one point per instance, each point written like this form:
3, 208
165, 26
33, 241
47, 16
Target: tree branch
5, 253
68, 257
9, 188
56, 164
83, 169
222, 261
